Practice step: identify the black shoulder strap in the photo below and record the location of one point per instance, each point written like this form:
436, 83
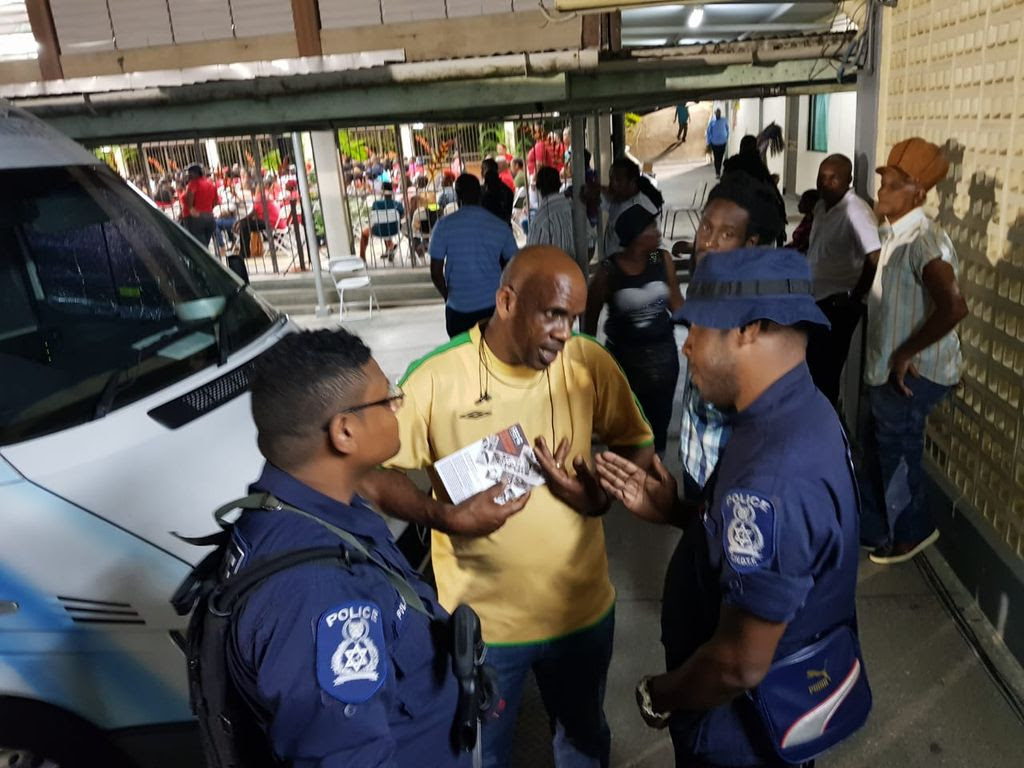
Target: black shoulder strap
223, 598
266, 501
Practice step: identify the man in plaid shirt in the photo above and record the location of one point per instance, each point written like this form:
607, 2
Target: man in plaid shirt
740, 212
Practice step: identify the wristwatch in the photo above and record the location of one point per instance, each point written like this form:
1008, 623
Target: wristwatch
643, 700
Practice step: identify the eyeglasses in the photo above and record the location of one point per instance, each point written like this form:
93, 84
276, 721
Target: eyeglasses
393, 401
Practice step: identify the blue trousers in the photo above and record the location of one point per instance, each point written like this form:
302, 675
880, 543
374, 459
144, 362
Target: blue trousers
892, 500
571, 673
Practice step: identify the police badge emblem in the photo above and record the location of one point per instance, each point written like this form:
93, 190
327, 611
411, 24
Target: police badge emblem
349, 645
749, 521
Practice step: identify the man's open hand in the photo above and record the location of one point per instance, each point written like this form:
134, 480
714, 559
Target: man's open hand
581, 491
650, 496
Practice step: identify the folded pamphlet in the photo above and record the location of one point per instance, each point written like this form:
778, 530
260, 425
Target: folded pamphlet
505, 457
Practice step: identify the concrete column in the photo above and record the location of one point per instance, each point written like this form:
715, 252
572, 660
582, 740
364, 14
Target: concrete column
579, 175
307, 206
791, 131
408, 145
603, 165
119, 164
618, 134
866, 132
211, 154
510, 137
332, 204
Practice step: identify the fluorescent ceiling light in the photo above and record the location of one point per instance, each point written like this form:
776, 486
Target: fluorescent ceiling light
696, 17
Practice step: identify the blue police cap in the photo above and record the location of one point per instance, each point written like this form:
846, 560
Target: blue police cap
733, 288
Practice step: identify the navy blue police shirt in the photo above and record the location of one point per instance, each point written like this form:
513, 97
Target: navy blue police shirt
341, 670
782, 544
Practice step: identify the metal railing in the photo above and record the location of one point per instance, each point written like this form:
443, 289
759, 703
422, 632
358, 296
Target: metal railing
418, 161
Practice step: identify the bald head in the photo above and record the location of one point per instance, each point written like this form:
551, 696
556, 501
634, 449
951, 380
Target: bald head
542, 293
541, 264
834, 177
841, 163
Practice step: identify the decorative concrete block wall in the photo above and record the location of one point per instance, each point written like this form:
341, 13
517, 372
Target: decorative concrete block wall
953, 72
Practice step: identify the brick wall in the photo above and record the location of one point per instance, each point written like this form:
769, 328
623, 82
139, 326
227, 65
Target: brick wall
953, 72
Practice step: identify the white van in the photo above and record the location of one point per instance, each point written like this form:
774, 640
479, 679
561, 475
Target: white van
125, 354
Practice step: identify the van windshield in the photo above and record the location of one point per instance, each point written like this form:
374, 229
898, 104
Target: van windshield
103, 300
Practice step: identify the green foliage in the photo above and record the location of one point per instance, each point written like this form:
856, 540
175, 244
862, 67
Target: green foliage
632, 118
271, 161
352, 146
318, 220
490, 136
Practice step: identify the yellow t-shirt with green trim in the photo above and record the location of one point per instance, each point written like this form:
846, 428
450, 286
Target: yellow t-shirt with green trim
544, 574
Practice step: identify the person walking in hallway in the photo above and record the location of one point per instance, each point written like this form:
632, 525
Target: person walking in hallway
682, 118
717, 139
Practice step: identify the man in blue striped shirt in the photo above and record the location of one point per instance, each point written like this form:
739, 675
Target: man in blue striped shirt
913, 354
740, 212
718, 137
468, 250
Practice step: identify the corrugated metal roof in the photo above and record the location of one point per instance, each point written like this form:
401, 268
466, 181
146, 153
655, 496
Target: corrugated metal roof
82, 26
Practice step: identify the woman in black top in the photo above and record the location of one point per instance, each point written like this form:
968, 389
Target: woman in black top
639, 286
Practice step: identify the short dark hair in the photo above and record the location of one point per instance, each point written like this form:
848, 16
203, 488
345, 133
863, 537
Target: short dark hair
548, 181
298, 385
630, 169
759, 201
812, 196
643, 184
517, 162
467, 189
488, 166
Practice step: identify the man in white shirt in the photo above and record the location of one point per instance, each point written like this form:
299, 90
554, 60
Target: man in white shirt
912, 355
552, 224
843, 247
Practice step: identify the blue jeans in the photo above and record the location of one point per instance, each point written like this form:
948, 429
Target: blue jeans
892, 503
571, 673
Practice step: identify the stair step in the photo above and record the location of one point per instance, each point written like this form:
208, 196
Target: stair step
306, 279
357, 305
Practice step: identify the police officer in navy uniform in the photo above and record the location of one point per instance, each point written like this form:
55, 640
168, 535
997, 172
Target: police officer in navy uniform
773, 565
334, 661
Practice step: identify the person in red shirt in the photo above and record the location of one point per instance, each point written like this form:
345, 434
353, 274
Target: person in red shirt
197, 208
256, 220
540, 155
504, 173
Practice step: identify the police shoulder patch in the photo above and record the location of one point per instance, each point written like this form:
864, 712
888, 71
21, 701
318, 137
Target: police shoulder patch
748, 521
351, 656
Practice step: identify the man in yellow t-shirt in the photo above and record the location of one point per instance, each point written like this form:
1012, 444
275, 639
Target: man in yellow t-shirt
538, 577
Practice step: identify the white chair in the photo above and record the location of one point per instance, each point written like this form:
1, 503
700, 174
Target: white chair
386, 219
349, 273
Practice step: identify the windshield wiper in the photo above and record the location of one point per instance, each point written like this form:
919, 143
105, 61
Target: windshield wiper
222, 348
112, 386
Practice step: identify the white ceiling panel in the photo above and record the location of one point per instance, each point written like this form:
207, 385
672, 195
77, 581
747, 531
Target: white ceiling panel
262, 17
82, 25
140, 23
396, 11
458, 8
196, 20
531, 5
341, 14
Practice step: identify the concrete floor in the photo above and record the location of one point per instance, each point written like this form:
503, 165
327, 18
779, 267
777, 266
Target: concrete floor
935, 705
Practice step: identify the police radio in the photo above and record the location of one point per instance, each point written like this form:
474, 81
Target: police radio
478, 686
